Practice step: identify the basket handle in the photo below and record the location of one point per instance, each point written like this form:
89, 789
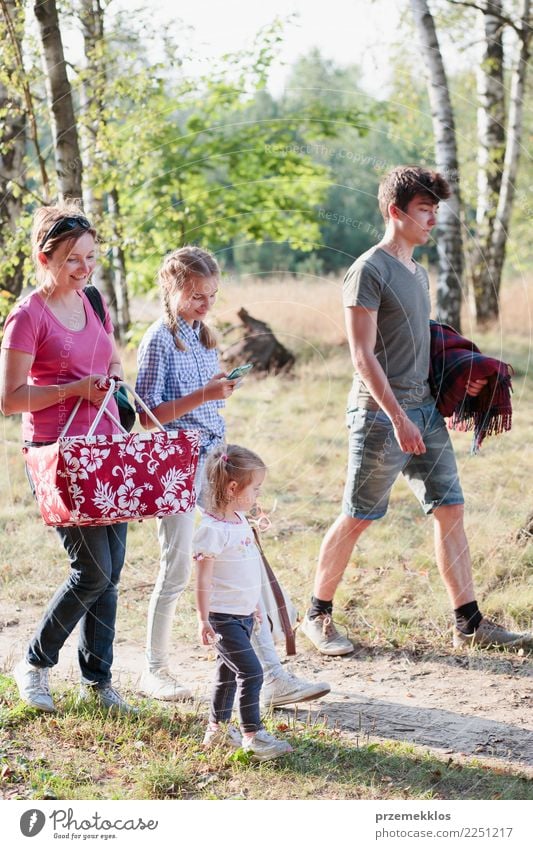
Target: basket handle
103, 409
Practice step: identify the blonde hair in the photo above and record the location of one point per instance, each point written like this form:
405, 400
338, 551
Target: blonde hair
224, 465
179, 269
44, 219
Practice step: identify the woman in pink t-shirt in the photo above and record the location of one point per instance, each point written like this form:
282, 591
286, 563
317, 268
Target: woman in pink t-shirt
56, 350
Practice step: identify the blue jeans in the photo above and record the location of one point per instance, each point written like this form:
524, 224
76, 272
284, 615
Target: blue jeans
238, 668
88, 596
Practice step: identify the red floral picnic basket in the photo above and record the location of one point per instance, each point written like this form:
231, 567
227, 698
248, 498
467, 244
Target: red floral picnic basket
125, 477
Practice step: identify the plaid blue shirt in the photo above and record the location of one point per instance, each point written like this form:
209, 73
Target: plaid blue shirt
165, 373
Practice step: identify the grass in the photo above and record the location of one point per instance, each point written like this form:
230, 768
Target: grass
84, 754
391, 597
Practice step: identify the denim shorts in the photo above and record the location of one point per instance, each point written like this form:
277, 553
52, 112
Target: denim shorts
375, 461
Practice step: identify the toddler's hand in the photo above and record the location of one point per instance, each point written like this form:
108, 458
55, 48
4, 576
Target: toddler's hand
208, 637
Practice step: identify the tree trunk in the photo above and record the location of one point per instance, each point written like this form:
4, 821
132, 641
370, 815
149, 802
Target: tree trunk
449, 240
12, 149
500, 232
111, 277
490, 153
92, 92
64, 130
119, 267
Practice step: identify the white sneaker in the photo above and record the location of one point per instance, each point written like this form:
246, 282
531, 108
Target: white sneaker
224, 735
32, 682
264, 746
162, 685
324, 635
106, 697
288, 689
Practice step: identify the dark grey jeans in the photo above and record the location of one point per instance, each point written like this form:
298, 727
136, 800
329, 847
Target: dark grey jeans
238, 669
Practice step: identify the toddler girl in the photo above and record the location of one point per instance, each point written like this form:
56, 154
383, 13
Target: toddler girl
228, 587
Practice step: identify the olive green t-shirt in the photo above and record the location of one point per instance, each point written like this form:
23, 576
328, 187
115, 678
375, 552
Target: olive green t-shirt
379, 281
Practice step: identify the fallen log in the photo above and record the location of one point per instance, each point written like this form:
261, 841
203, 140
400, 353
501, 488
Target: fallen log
258, 346
525, 533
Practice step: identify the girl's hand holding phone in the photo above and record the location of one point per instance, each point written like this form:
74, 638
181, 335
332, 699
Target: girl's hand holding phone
219, 388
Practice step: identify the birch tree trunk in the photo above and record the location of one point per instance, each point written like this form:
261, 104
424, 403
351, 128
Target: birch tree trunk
119, 267
488, 306
12, 146
59, 92
490, 152
111, 277
92, 89
449, 240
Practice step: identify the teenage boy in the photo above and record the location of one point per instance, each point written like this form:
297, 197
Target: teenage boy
394, 425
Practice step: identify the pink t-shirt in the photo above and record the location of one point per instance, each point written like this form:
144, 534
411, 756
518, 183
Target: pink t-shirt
61, 355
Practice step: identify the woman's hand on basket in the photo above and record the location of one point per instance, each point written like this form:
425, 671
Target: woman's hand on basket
93, 388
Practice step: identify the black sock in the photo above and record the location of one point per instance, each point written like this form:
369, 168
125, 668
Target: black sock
468, 617
319, 607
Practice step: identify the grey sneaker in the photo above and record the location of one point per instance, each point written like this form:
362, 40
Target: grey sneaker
265, 747
32, 682
105, 697
324, 635
224, 735
288, 689
489, 634
160, 684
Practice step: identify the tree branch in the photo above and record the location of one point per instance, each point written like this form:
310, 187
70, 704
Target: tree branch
27, 96
486, 10
27, 191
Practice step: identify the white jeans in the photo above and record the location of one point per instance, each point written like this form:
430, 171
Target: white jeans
175, 541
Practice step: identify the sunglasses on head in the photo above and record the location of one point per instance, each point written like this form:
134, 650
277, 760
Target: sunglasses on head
64, 225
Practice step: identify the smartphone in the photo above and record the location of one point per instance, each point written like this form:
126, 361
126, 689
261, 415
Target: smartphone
239, 371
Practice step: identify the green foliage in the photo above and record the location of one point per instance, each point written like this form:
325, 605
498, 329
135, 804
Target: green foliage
212, 171
216, 160
359, 139
212, 161
269, 183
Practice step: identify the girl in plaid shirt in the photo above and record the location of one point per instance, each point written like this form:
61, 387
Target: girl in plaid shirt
179, 379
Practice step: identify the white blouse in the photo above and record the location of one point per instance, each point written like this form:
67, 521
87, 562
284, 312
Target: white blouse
236, 582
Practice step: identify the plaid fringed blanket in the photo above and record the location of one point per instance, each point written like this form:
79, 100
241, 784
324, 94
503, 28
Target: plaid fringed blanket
454, 361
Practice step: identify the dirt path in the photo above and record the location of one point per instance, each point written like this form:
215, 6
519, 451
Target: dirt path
476, 704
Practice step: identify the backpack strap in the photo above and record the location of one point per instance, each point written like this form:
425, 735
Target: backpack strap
126, 411
95, 299
290, 641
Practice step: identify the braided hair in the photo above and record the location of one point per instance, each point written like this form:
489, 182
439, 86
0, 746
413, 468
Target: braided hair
179, 269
